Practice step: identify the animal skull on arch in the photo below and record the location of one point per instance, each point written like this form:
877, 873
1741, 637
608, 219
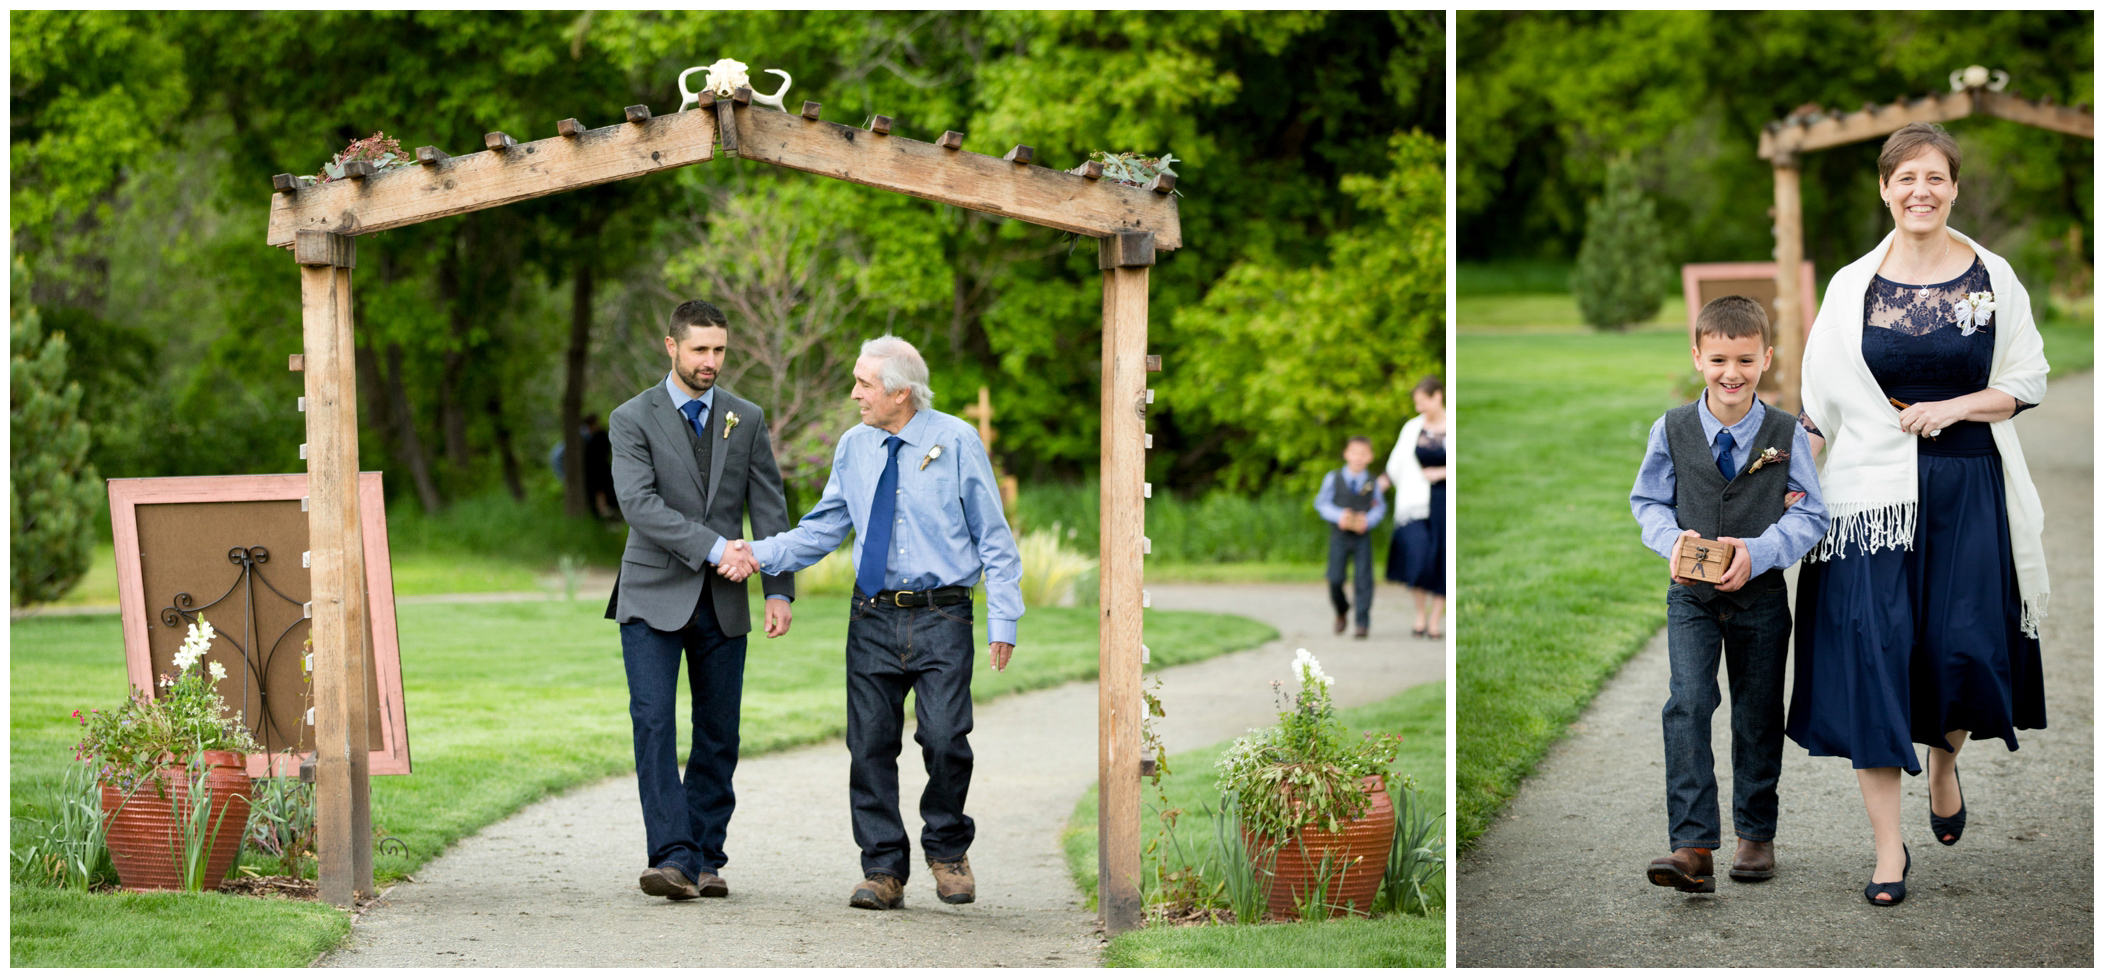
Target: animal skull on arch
725, 77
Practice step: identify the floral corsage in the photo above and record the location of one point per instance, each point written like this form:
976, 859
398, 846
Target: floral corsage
730, 420
933, 454
1973, 311
1767, 455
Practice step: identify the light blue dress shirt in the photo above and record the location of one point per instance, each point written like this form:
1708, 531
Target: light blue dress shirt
1326, 497
950, 528
1653, 498
708, 404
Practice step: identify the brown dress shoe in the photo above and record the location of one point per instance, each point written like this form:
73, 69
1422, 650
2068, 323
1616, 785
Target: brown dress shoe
953, 879
1686, 870
1340, 625
712, 885
1359, 632
1753, 861
668, 882
880, 891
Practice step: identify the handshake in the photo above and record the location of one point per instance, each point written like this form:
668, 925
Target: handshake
738, 562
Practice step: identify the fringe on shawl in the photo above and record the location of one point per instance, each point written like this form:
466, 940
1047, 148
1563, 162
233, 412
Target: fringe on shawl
1870, 529
2034, 612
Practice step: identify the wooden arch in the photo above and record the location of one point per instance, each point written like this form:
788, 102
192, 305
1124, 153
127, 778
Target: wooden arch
1806, 131
321, 224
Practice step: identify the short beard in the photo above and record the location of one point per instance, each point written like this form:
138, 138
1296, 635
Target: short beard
696, 382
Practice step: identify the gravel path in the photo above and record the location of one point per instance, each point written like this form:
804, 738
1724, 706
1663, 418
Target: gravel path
555, 885
1558, 880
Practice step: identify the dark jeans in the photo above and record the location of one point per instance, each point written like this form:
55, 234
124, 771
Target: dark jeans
684, 823
1357, 550
1754, 642
891, 651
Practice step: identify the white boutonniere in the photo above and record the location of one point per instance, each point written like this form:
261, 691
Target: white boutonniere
933, 454
730, 420
1767, 455
1973, 311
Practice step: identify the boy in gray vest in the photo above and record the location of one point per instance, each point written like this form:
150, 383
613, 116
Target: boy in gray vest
1351, 503
1730, 469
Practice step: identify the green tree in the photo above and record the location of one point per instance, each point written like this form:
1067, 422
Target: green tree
1620, 276
54, 489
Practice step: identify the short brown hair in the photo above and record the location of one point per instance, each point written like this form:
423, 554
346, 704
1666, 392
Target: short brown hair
690, 313
1429, 386
1731, 317
1908, 143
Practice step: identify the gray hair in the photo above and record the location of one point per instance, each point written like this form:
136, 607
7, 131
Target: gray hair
900, 367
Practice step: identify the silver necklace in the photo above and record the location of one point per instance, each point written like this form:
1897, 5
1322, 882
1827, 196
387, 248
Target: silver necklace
1919, 277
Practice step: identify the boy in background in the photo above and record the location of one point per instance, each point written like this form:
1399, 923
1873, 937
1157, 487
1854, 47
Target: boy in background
1352, 504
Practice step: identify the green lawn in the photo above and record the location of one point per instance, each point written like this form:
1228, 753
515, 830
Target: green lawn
507, 703
1395, 940
1556, 589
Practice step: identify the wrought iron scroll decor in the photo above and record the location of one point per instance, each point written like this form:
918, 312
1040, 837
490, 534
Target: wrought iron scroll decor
255, 661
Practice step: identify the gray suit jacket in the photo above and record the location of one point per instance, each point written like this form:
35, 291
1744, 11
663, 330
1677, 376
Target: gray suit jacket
672, 523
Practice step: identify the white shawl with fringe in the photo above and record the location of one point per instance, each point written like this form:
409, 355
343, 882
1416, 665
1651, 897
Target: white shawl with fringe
1869, 477
1413, 495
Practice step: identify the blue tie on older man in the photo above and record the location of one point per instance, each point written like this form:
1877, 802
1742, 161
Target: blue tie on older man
876, 551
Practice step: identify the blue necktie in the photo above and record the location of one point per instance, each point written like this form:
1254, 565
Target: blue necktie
692, 409
876, 551
1725, 444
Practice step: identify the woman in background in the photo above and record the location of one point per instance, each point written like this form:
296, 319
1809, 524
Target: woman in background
1417, 469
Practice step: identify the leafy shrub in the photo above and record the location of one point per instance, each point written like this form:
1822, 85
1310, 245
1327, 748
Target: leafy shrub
55, 490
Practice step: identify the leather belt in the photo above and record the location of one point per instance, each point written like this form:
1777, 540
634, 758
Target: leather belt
957, 594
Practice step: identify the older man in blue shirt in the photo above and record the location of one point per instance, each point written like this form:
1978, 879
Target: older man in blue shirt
917, 488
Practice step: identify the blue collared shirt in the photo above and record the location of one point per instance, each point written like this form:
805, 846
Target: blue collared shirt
708, 404
950, 528
1652, 500
1326, 497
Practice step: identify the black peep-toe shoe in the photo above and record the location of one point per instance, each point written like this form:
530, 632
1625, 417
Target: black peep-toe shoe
1949, 825
1897, 890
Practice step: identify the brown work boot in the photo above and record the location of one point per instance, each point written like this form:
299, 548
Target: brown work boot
1754, 861
881, 891
668, 882
953, 879
712, 885
1686, 870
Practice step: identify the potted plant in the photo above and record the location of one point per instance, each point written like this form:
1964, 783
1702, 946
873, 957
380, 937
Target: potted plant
173, 776
1314, 803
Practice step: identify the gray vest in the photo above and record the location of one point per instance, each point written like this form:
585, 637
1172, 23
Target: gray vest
701, 449
1746, 506
1341, 493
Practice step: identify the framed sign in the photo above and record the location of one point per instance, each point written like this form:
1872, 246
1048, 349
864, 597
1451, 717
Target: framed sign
1704, 281
231, 550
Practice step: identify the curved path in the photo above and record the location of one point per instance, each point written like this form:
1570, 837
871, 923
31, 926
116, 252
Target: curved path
1558, 879
555, 884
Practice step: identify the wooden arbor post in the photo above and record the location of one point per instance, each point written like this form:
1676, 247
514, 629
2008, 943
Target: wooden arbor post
1124, 258
1132, 222
342, 795
1784, 140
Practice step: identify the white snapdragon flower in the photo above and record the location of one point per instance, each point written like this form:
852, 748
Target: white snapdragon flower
218, 671
194, 646
1306, 667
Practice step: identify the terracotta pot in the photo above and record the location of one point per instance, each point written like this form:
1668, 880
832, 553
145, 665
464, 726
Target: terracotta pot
1358, 858
146, 836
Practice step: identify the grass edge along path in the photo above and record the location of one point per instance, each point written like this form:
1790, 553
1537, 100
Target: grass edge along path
472, 674
1556, 587
1396, 940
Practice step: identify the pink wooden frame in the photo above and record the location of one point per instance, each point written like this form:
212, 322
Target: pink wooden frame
391, 756
1693, 275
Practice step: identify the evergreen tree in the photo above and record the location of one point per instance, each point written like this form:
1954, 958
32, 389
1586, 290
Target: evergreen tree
1623, 259
54, 488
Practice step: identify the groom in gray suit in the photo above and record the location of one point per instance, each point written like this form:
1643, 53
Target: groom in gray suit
691, 461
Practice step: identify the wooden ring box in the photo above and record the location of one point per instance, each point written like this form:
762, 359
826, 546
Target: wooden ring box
1703, 559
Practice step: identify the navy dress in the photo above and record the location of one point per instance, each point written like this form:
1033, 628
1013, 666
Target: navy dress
1898, 647
1417, 550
